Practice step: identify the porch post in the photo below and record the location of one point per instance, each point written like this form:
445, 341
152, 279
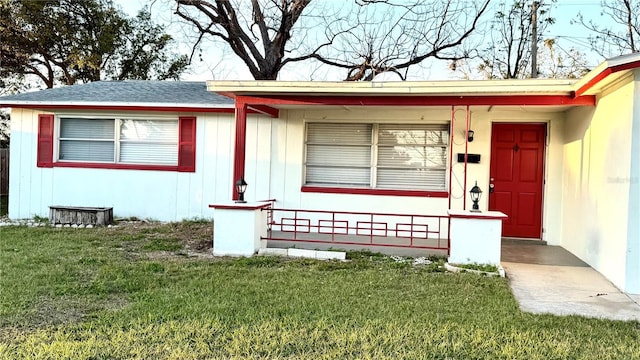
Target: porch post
241, 140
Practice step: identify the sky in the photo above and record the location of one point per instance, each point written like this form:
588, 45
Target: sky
219, 64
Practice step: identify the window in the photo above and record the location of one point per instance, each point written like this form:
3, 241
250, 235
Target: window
119, 140
87, 140
147, 144
377, 156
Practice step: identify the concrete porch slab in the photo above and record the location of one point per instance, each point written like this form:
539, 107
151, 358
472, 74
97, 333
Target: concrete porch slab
569, 290
537, 252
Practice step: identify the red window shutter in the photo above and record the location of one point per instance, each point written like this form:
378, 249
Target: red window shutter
45, 141
187, 144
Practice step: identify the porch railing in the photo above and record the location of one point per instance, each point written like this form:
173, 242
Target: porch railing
359, 228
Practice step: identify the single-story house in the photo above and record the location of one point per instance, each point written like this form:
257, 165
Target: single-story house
560, 157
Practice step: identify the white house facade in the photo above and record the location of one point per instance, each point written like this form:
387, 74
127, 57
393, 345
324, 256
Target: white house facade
559, 157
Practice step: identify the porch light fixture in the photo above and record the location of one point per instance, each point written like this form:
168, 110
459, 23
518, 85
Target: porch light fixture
475, 193
470, 134
241, 187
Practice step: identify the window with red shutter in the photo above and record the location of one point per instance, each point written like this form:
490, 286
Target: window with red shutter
161, 144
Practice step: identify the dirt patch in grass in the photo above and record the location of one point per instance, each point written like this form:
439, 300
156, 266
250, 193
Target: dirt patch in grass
167, 240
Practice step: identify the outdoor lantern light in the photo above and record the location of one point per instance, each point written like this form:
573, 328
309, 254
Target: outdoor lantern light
241, 187
475, 193
470, 134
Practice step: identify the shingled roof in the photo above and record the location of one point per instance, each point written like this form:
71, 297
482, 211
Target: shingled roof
129, 92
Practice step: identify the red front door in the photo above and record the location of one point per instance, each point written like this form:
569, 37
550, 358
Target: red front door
517, 165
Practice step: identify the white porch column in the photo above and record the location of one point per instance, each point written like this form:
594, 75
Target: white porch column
238, 228
475, 237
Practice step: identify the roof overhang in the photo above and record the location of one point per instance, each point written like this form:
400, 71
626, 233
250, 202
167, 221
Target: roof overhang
394, 88
118, 106
606, 74
523, 92
518, 93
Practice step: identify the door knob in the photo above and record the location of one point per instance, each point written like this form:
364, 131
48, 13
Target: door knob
491, 186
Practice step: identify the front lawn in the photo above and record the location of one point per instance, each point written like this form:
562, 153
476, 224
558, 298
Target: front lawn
151, 291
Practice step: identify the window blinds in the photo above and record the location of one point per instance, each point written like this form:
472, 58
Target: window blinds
87, 140
386, 156
138, 141
148, 141
339, 154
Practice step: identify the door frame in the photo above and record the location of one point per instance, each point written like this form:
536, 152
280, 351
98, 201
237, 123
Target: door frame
543, 173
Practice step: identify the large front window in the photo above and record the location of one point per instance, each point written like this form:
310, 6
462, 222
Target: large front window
377, 156
120, 141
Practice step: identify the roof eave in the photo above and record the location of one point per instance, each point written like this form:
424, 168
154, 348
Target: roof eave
121, 106
403, 88
606, 73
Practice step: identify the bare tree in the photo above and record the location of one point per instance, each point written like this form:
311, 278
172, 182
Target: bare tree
245, 30
364, 38
557, 63
508, 54
391, 36
621, 35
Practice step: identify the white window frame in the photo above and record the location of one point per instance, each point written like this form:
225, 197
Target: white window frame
116, 139
374, 166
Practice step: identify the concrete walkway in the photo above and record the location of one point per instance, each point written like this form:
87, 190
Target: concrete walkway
549, 279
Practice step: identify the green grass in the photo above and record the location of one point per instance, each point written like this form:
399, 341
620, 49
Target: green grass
4, 205
108, 294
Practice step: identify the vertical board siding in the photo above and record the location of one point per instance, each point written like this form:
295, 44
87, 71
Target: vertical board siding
258, 155
158, 195
4, 171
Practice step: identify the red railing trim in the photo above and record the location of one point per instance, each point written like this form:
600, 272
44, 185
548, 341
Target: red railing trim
295, 224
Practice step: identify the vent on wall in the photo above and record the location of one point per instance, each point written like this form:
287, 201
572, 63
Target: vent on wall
471, 158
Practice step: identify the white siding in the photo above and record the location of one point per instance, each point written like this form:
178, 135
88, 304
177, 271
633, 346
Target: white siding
160, 195
274, 169
288, 155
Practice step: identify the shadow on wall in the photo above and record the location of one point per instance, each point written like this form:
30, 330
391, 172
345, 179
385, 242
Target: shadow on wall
576, 124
